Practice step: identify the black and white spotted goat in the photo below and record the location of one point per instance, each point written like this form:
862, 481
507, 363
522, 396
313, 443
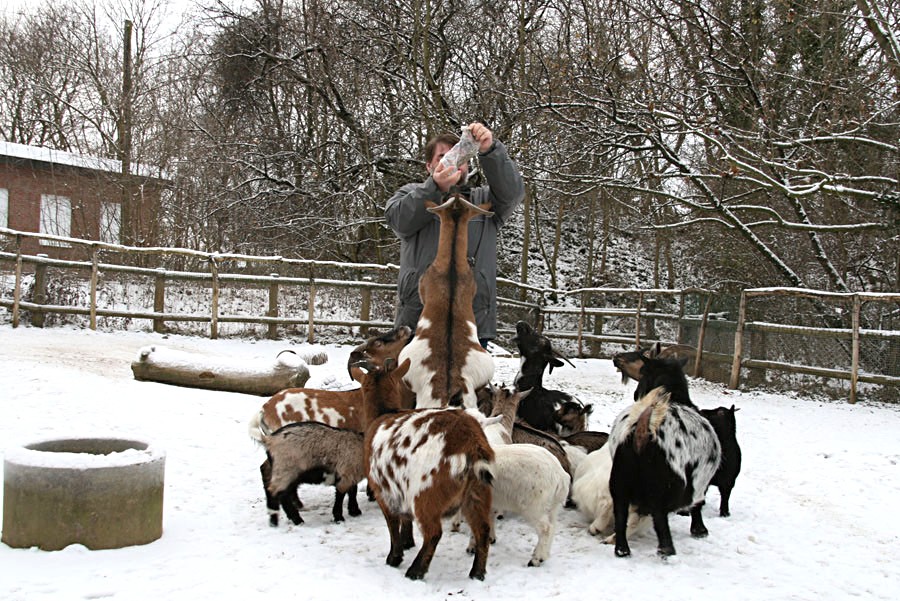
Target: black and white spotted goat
664, 455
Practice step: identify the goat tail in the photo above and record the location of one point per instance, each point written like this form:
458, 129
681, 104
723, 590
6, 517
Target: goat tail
483, 464
257, 427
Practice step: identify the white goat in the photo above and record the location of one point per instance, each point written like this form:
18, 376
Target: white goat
528, 480
590, 493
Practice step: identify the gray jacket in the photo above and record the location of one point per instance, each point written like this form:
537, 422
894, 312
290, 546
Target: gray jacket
419, 230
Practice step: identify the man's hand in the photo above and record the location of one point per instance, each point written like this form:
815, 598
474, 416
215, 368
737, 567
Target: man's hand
482, 135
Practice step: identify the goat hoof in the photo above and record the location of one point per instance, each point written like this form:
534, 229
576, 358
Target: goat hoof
476, 574
699, 532
666, 551
354, 512
623, 551
273, 521
394, 560
417, 575
724, 513
338, 519
535, 563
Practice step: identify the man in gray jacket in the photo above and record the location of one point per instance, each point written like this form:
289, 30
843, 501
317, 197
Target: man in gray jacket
419, 230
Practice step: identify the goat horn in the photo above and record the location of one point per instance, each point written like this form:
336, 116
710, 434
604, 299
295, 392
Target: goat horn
563, 357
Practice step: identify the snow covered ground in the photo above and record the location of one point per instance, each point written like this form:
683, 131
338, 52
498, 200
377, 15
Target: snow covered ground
812, 513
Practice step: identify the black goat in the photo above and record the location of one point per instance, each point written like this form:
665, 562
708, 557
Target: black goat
723, 422
541, 408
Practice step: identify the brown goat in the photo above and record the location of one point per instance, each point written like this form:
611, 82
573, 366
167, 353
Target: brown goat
448, 362
378, 348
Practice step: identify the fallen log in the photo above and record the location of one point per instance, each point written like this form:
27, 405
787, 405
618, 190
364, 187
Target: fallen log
261, 377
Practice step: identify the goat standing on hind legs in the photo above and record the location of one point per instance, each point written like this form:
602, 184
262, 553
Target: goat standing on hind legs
418, 230
448, 362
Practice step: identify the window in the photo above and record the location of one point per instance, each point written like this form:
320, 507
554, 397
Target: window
4, 207
56, 218
110, 222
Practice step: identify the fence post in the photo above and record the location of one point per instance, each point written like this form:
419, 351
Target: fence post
701, 335
311, 309
651, 321
854, 366
40, 292
637, 321
17, 291
272, 333
680, 338
581, 325
738, 343
94, 276
159, 300
365, 311
214, 309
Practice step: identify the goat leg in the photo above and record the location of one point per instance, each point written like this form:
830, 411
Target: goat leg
698, 529
663, 534
352, 504
395, 556
337, 511
620, 515
431, 536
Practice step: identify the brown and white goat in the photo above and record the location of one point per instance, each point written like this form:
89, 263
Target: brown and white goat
337, 408
344, 409
448, 362
425, 464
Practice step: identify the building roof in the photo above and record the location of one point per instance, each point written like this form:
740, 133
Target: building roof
60, 157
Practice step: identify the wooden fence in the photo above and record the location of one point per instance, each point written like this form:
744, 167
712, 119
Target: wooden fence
594, 321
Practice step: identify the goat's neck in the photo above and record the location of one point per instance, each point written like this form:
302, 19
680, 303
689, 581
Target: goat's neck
506, 409
531, 375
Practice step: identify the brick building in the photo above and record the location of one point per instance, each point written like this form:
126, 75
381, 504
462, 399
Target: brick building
65, 194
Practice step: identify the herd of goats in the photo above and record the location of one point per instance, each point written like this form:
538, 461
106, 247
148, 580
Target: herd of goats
433, 438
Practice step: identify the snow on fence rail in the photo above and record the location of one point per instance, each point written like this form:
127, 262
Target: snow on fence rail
599, 321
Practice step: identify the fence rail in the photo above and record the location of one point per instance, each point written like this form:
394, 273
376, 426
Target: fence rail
593, 319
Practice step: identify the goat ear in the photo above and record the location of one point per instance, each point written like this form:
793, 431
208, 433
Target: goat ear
555, 363
401, 369
587, 410
490, 421
357, 373
390, 364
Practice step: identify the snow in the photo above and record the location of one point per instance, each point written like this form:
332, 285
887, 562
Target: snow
811, 515
29, 457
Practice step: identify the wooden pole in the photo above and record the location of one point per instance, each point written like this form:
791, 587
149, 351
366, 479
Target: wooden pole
701, 336
365, 311
272, 333
17, 292
159, 300
214, 317
40, 292
94, 277
854, 366
128, 217
581, 326
637, 321
311, 310
738, 343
